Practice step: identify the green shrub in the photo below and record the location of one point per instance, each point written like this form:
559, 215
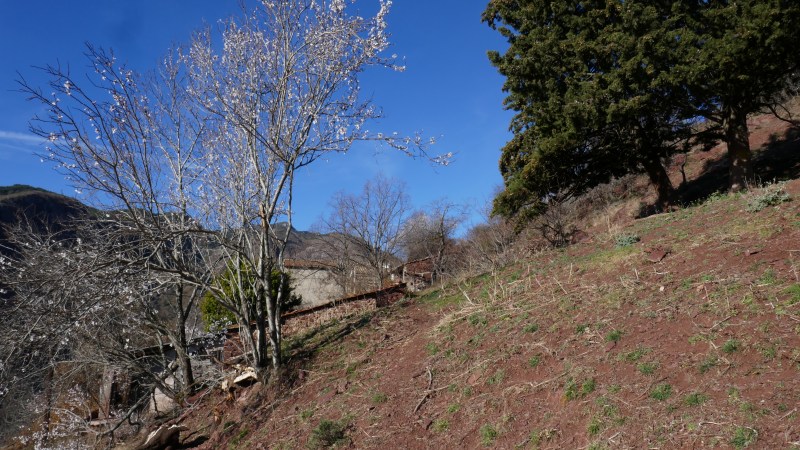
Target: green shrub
626, 240
773, 195
327, 434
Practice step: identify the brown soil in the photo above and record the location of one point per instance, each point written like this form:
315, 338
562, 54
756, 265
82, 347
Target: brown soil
688, 338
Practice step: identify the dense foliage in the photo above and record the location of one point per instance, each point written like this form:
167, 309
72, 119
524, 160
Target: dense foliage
240, 284
604, 88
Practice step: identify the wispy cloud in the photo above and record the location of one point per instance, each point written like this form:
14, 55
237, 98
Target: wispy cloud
20, 137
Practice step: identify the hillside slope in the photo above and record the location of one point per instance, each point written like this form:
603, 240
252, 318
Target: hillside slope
680, 331
43, 209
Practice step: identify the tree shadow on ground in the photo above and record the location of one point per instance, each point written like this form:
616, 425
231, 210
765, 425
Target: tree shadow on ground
303, 348
778, 160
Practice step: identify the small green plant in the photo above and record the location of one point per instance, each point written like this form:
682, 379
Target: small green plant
614, 336
769, 351
452, 409
531, 328
731, 345
239, 437
743, 437
379, 398
478, 320
588, 387
794, 294
488, 434
773, 195
497, 378
695, 399
708, 363
327, 434
573, 390
306, 413
661, 392
647, 368
767, 278
595, 426
635, 355
440, 425
580, 329
432, 348
626, 240
534, 361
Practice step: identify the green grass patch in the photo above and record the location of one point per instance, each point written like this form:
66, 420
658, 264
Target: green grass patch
743, 437
440, 425
574, 390
794, 294
647, 368
710, 362
634, 355
695, 399
661, 392
531, 328
614, 336
496, 378
488, 434
731, 345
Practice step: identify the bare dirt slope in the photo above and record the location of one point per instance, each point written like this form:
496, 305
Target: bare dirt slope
678, 330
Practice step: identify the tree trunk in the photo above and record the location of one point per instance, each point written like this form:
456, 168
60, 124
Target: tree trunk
737, 137
183, 348
660, 179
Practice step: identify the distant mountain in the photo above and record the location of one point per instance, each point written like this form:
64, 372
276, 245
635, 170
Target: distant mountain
43, 210
46, 210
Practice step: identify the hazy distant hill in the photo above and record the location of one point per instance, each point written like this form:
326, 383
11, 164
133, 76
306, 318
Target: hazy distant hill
42, 209
48, 210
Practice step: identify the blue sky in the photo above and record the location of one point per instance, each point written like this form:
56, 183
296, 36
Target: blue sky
449, 90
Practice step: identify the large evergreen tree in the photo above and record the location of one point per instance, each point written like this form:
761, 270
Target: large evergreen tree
740, 57
603, 88
590, 83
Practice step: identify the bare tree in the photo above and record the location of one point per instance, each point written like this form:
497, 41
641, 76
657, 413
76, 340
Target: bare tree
136, 150
199, 161
368, 228
430, 233
490, 245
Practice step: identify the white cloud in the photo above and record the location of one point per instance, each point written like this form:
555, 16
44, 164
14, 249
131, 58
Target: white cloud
20, 137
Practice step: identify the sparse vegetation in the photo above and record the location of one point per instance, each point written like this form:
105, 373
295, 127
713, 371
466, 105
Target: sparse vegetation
614, 336
327, 434
743, 437
772, 195
731, 345
440, 425
488, 434
695, 399
647, 368
661, 392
